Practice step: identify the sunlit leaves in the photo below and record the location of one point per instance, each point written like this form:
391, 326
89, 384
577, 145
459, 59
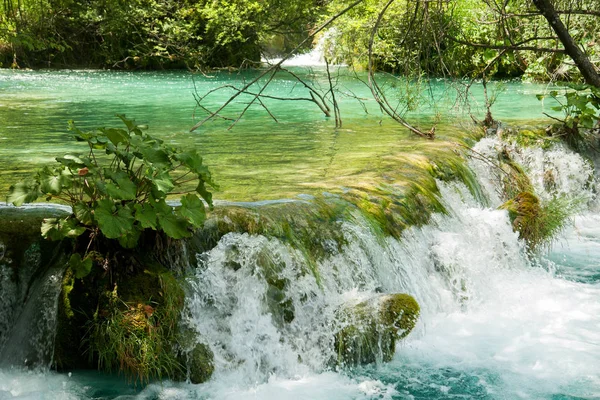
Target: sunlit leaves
58, 229
113, 219
579, 104
163, 182
52, 182
206, 195
83, 213
121, 192
192, 209
24, 192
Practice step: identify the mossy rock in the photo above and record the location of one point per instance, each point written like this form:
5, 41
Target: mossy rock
536, 222
372, 328
529, 137
199, 362
196, 357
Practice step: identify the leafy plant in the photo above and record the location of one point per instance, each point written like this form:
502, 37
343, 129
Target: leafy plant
581, 109
118, 188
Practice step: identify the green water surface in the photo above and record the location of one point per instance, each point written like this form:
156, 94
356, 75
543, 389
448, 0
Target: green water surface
258, 159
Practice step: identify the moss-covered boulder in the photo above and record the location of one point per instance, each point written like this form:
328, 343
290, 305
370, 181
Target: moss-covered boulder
538, 222
372, 327
198, 362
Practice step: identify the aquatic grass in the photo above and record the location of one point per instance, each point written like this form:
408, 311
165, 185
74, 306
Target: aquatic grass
539, 222
135, 327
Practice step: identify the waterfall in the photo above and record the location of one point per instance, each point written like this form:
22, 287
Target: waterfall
314, 58
30, 282
468, 270
497, 321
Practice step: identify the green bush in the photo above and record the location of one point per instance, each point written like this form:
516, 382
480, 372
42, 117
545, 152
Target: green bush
580, 105
118, 188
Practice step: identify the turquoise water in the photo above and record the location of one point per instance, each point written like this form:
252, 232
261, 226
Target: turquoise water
256, 160
520, 327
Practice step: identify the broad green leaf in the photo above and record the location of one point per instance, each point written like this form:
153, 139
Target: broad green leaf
117, 136
23, 192
163, 182
114, 220
81, 268
146, 216
121, 187
52, 183
123, 190
130, 239
71, 161
206, 195
192, 209
174, 226
157, 157
59, 229
192, 160
83, 213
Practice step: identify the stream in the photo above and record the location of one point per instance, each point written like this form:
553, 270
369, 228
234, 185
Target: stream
496, 321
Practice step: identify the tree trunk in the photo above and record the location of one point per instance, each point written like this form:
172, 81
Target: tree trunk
583, 63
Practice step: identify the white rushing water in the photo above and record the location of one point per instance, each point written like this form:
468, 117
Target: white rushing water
495, 322
314, 58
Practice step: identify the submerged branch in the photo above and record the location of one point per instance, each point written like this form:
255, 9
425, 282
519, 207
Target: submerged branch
272, 69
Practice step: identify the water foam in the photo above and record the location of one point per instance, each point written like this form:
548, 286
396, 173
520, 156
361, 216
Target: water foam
496, 321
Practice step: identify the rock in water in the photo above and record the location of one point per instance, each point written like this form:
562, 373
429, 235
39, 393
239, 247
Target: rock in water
371, 328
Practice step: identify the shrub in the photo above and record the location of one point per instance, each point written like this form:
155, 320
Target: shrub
581, 109
118, 188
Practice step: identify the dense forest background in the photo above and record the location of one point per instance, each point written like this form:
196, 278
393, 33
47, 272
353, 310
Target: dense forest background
455, 38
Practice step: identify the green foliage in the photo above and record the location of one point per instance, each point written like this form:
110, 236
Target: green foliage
135, 328
580, 106
119, 187
463, 38
538, 223
147, 33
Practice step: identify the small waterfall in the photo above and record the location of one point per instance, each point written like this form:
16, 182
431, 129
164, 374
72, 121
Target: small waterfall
267, 319
30, 341
30, 282
497, 321
314, 58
